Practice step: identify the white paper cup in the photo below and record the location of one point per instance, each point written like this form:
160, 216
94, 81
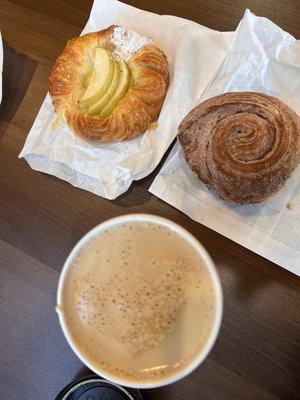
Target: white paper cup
210, 267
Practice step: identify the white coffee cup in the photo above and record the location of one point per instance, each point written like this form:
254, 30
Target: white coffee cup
191, 240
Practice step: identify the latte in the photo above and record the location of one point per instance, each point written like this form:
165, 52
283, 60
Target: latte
139, 302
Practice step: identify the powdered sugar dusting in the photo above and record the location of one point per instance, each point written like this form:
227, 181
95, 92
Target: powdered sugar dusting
127, 42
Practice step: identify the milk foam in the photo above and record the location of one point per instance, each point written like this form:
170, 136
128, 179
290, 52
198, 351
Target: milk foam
139, 302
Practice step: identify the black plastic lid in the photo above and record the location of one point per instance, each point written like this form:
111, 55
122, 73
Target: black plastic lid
96, 388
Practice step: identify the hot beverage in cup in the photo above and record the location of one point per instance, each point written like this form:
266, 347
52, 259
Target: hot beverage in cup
139, 302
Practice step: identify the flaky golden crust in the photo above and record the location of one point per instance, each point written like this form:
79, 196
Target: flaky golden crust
245, 145
134, 113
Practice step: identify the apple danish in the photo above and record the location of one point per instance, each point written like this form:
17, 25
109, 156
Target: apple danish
244, 145
109, 85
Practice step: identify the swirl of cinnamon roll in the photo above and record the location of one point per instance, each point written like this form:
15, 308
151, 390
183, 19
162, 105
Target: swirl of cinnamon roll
245, 145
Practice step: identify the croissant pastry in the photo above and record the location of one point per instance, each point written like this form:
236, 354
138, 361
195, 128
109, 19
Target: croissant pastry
244, 145
109, 85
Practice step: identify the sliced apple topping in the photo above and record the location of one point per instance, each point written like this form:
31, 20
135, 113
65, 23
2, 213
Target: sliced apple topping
105, 85
86, 80
100, 80
102, 102
120, 90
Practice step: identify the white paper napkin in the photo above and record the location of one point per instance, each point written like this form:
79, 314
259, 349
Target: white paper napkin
263, 58
194, 54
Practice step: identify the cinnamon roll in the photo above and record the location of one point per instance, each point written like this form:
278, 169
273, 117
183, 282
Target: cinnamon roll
245, 145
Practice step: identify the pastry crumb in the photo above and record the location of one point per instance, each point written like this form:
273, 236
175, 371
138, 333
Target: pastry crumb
58, 309
55, 125
152, 126
290, 206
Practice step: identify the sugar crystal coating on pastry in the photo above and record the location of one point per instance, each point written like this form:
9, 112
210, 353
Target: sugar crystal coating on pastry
245, 145
109, 85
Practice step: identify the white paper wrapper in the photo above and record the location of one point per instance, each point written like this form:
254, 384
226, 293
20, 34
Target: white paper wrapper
194, 54
1, 66
263, 58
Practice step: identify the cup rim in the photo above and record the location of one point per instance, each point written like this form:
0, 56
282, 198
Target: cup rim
211, 269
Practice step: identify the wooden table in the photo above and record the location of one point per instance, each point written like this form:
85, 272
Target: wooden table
42, 217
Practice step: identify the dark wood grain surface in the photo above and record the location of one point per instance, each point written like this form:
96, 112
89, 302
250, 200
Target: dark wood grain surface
257, 353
